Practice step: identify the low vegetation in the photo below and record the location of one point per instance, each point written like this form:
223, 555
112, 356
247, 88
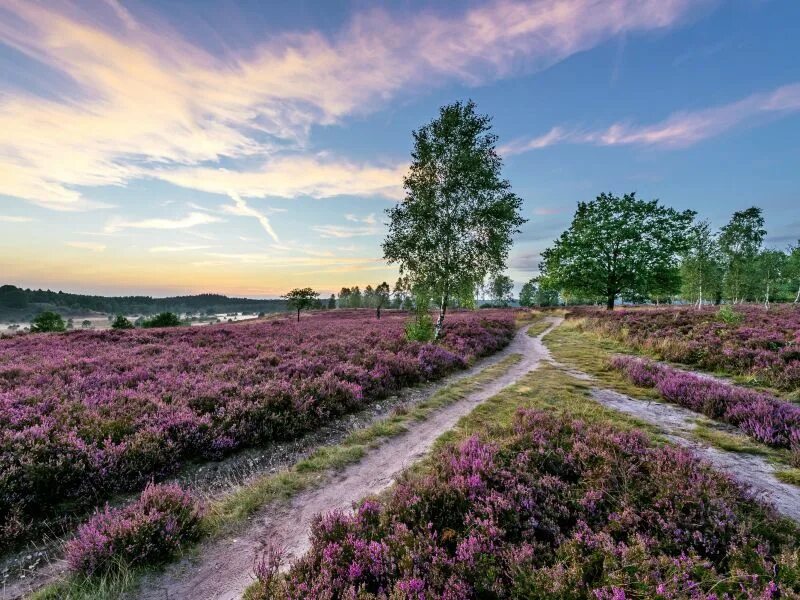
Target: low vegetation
747, 341
766, 419
90, 414
149, 530
568, 503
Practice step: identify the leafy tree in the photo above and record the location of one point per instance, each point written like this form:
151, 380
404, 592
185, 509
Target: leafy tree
701, 271
500, 288
793, 269
616, 246
344, 297
355, 298
459, 215
368, 298
381, 297
301, 298
12, 297
86, 324
740, 241
48, 321
332, 301
401, 292
164, 319
121, 323
527, 296
770, 266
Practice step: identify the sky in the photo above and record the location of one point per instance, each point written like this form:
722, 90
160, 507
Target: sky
246, 148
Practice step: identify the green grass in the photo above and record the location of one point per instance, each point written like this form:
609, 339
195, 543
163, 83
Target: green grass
591, 353
228, 513
791, 475
547, 388
538, 327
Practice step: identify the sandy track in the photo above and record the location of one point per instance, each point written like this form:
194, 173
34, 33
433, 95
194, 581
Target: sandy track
751, 470
224, 567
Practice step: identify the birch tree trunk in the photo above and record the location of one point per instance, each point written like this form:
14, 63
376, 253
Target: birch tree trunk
440, 320
797, 298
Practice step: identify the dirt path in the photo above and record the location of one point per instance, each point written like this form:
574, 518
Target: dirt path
224, 568
753, 471
677, 424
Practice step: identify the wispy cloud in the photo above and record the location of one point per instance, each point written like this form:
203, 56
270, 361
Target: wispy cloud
293, 176
369, 219
344, 231
178, 248
192, 219
680, 130
143, 95
240, 208
90, 246
14, 219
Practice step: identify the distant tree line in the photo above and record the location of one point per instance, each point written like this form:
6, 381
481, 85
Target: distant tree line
624, 248
15, 300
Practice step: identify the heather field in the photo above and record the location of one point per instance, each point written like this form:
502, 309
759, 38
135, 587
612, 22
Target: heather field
552, 507
762, 345
85, 415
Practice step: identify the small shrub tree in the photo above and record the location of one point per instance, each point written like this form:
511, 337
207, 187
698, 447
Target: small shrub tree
121, 323
165, 319
301, 298
48, 321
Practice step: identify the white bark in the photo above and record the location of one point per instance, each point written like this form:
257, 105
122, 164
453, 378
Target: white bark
797, 298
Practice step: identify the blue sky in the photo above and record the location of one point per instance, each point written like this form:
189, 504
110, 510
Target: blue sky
247, 148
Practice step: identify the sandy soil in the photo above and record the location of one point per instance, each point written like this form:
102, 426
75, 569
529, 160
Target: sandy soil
751, 470
224, 567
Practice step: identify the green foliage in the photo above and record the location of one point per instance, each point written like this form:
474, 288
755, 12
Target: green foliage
727, 315
421, 328
48, 321
500, 288
618, 246
301, 298
120, 322
701, 269
459, 215
165, 319
527, 295
740, 241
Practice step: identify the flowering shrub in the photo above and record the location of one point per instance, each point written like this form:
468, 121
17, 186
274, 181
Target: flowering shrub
763, 344
87, 414
762, 417
146, 531
554, 509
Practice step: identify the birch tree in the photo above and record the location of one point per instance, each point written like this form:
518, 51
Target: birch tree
770, 266
793, 269
740, 241
458, 217
701, 269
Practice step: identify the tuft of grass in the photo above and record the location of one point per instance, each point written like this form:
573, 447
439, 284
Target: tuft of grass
730, 441
232, 510
538, 327
791, 475
591, 353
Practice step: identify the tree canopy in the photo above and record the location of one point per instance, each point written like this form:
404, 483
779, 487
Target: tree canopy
456, 223
618, 245
300, 299
48, 321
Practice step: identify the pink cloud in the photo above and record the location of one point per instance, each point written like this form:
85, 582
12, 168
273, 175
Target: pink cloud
680, 130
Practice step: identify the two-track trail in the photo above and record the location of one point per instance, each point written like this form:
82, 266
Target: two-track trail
224, 566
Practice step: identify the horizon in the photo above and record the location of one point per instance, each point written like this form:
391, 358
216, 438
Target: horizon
168, 149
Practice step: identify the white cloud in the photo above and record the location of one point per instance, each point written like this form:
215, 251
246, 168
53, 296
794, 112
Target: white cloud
679, 130
240, 208
193, 219
90, 246
14, 219
181, 248
344, 231
142, 95
368, 220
